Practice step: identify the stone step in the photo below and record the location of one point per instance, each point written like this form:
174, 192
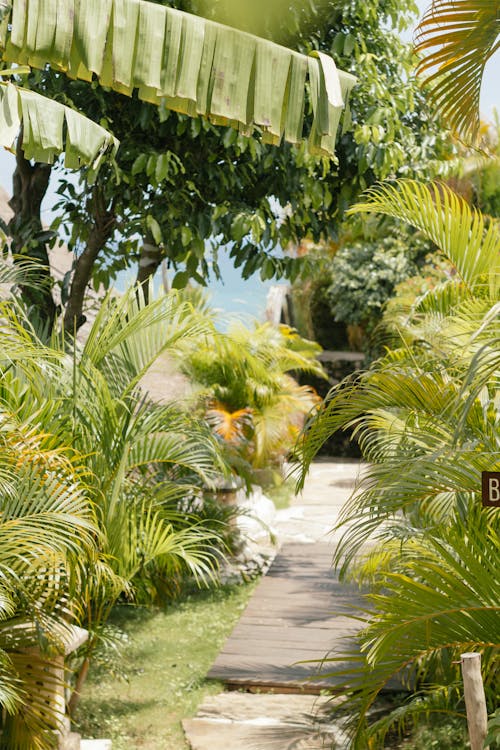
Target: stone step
244, 721
70, 741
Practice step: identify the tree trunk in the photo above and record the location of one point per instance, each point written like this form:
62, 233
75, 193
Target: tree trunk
103, 226
80, 681
149, 262
30, 183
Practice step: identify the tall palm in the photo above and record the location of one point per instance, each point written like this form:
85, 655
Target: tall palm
47, 539
457, 38
141, 460
426, 416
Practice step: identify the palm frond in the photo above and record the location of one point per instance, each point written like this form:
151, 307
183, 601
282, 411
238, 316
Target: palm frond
457, 38
139, 535
438, 601
179, 450
10, 685
459, 231
128, 336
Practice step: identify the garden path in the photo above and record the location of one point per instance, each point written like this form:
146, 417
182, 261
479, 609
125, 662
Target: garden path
297, 612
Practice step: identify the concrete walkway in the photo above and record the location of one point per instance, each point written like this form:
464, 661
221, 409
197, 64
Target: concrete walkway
281, 721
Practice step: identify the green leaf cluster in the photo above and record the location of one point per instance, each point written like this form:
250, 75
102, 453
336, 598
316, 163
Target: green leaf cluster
225, 188
98, 490
247, 389
426, 416
365, 274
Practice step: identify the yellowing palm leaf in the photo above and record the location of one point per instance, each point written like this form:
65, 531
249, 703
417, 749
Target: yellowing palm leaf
183, 62
230, 426
460, 232
457, 38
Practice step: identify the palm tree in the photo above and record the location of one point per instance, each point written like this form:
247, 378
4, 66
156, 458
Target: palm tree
137, 462
247, 390
183, 62
48, 530
425, 415
457, 38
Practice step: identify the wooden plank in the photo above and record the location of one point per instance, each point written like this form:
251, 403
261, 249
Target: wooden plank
272, 632
275, 651
298, 613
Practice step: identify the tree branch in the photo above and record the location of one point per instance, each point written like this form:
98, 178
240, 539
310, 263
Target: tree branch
103, 226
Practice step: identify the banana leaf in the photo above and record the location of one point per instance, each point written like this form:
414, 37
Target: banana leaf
182, 61
50, 128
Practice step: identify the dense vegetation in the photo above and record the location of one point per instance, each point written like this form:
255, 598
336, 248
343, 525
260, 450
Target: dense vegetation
426, 418
180, 188
103, 491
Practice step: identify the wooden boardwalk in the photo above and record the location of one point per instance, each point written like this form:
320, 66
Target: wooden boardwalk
298, 612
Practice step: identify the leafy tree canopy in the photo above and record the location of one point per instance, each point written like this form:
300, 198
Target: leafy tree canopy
180, 182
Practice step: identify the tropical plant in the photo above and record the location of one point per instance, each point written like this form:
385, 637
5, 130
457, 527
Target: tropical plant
176, 61
363, 276
47, 540
39, 128
458, 37
182, 187
48, 534
150, 458
183, 62
426, 417
250, 399
140, 464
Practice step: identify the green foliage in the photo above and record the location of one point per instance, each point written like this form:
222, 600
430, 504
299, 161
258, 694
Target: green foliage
455, 41
365, 274
493, 736
440, 733
48, 534
254, 405
189, 187
98, 488
426, 417
483, 174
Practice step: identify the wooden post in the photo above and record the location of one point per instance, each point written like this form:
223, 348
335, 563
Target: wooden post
475, 701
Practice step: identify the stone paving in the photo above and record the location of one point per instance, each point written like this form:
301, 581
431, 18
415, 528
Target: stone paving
249, 721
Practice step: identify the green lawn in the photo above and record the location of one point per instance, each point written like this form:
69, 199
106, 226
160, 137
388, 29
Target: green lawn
163, 663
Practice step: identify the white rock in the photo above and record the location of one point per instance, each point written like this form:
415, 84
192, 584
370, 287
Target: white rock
258, 521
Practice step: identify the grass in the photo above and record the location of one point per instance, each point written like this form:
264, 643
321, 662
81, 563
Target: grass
138, 694
158, 677
441, 735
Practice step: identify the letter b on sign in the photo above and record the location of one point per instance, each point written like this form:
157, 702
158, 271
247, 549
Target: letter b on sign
491, 489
